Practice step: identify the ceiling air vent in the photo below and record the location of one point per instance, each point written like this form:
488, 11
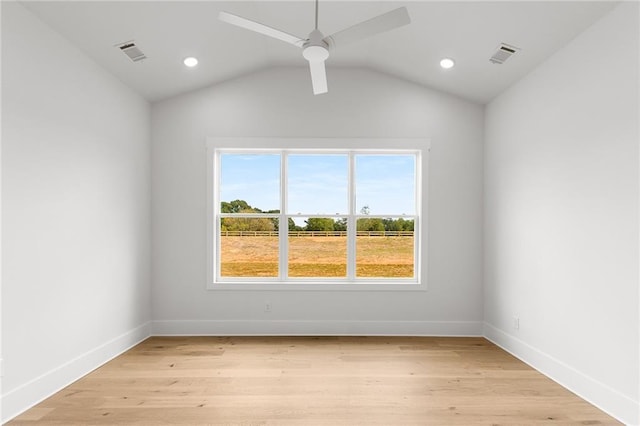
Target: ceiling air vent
503, 53
132, 51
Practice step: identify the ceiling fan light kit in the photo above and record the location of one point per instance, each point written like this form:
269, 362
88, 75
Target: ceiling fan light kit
316, 47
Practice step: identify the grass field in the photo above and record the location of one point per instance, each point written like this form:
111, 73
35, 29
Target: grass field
384, 257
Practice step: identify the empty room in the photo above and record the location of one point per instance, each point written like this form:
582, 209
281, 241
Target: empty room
320, 212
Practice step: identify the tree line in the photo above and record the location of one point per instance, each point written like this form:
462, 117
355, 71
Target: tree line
311, 224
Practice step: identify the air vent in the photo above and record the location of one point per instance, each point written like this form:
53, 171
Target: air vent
503, 53
132, 51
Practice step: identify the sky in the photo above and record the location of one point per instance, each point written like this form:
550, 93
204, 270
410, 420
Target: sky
317, 184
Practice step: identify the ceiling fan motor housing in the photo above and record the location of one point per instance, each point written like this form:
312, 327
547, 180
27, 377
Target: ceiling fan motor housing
315, 49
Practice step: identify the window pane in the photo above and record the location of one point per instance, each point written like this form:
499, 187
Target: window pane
317, 184
248, 247
249, 183
384, 248
385, 184
317, 247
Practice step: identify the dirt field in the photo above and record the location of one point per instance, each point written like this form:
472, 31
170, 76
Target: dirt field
317, 256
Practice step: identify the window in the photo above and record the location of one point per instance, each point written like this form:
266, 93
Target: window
301, 216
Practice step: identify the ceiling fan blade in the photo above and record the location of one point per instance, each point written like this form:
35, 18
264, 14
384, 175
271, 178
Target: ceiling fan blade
381, 23
318, 77
239, 21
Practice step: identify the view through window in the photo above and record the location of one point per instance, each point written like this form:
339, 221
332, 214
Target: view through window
299, 215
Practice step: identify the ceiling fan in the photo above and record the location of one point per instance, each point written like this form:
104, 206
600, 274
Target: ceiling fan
316, 47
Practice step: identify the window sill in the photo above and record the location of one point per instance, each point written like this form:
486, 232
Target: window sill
317, 286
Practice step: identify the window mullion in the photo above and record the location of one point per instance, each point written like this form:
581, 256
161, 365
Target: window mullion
283, 260
351, 221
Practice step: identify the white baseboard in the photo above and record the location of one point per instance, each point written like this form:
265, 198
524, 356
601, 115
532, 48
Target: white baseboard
18, 400
315, 328
616, 404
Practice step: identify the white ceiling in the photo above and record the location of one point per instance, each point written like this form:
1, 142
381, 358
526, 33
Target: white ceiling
469, 32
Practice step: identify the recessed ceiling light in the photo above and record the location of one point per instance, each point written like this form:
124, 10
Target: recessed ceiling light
447, 63
190, 62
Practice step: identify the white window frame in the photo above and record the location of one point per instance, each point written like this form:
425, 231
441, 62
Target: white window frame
419, 147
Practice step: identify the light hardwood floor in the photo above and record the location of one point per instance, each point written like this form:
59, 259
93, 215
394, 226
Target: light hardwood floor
314, 381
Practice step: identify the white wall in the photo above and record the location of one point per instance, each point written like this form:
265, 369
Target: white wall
278, 103
75, 212
1, 360
561, 215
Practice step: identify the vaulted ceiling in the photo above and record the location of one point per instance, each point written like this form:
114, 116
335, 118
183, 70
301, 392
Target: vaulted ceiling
468, 32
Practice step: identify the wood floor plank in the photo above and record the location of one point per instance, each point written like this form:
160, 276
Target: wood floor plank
314, 381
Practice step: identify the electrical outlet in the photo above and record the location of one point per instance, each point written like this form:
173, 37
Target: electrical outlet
516, 323
267, 306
